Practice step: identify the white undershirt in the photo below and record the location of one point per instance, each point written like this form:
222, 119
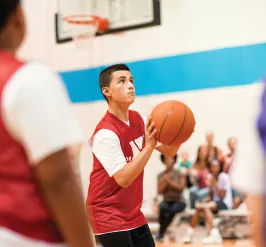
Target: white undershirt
37, 113
248, 168
106, 147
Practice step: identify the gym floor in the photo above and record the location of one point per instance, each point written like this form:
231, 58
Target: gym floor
227, 243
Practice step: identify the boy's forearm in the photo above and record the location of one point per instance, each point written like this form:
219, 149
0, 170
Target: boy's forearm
133, 169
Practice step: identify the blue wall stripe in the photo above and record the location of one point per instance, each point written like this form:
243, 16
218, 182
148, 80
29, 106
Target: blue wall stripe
211, 69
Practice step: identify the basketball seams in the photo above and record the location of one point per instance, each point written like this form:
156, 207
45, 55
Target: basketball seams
178, 133
164, 121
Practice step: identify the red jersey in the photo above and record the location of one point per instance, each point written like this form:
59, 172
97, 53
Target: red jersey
22, 208
110, 207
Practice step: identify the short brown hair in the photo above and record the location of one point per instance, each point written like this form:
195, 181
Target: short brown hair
106, 75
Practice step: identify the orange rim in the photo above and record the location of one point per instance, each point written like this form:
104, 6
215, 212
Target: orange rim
94, 19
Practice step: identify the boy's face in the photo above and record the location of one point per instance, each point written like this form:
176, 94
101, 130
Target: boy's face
121, 89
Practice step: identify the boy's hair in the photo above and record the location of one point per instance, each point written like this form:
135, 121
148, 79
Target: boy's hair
7, 7
106, 75
163, 158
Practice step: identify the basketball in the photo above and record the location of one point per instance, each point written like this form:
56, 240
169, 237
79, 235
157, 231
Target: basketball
174, 122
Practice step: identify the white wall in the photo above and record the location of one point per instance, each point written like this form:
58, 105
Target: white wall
187, 26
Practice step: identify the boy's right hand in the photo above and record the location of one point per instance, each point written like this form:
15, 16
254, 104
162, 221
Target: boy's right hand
150, 133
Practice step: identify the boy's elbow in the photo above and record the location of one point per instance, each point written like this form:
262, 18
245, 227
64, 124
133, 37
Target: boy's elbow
122, 181
124, 184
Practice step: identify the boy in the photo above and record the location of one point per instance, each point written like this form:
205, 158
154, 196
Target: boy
41, 202
122, 145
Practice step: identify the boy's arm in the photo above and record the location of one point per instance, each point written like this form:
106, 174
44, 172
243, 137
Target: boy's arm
106, 147
63, 195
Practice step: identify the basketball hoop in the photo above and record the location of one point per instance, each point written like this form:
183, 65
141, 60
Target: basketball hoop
84, 27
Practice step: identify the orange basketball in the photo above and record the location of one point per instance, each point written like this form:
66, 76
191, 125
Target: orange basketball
174, 122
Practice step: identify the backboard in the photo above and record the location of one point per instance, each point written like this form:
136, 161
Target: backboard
123, 15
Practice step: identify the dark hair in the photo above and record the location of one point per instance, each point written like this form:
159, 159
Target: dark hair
106, 75
198, 156
163, 158
219, 163
7, 8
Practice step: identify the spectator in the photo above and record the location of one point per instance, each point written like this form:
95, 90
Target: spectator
213, 151
171, 183
238, 196
185, 162
199, 177
184, 166
228, 159
221, 199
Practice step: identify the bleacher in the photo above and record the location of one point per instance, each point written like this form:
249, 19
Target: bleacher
227, 220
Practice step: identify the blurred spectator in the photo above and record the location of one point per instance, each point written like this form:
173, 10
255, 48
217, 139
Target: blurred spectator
238, 197
228, 159
220, 199
171, 184
184, 166
199, 177
185, 162
213, 151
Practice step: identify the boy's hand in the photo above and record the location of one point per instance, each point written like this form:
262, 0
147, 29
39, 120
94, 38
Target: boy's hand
150, 133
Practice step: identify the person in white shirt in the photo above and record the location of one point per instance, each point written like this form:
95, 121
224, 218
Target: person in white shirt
221, 199
38, 123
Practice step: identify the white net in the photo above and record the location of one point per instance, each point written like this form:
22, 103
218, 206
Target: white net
82, 29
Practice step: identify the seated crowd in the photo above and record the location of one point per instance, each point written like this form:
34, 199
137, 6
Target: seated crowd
208, 184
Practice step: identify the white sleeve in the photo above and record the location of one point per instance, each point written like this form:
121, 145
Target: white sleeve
37, 112
106, 147
144, 118
248, 168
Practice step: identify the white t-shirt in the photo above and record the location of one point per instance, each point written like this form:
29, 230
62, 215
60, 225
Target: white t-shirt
248, 168
224, 184
106, 147
37, 113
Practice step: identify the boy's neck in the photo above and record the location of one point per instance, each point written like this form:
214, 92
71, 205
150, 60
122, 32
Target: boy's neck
120, 112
